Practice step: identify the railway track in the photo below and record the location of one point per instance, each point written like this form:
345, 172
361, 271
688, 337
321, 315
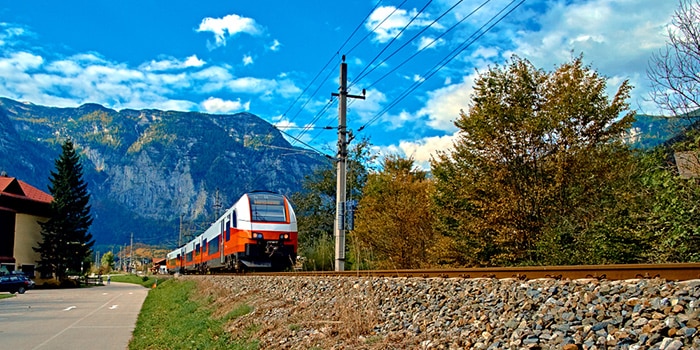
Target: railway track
675, 272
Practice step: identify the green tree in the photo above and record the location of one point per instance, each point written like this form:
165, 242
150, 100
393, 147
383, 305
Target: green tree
394, 219
66, 244
315, 206
672, 206
107, 261
536, 168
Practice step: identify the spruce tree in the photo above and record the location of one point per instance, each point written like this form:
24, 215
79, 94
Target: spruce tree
66, 243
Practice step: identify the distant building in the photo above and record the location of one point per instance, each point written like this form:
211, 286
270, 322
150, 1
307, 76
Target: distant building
22, 206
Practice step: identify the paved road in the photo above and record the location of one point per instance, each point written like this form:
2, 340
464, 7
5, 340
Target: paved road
85, 318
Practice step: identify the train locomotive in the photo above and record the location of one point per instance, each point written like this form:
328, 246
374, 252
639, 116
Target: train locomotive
259, 232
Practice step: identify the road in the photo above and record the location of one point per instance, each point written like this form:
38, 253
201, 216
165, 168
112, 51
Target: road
85, 318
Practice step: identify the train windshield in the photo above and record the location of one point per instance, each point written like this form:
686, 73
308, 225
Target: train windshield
267, 207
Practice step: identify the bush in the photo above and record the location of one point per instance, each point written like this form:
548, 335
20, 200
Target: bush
50, 284
70, 283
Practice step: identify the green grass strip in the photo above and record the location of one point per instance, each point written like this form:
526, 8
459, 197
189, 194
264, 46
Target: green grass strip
172, 319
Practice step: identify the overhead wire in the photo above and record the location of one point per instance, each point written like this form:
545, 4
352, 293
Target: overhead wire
363, 74
325, 108
328, 63
376, 27
452, 55
429, 44
385, 47
395, 38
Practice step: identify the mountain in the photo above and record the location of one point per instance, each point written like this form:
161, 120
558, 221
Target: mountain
151, 172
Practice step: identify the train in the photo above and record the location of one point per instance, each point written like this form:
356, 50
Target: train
259, 232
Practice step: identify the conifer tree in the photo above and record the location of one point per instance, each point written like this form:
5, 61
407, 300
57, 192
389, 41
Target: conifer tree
66, 243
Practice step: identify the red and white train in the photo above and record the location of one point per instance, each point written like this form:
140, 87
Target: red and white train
258, 232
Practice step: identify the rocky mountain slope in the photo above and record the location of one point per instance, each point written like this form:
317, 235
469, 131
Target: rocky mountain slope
152, 173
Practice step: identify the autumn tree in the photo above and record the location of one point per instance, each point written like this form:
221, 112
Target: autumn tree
315, 206
107, 262
675, 70
66, 244
536, 167
394, 219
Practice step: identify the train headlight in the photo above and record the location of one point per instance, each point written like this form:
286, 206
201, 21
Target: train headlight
284, 236
257, 235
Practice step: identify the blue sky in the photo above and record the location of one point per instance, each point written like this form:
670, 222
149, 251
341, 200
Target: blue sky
279, 59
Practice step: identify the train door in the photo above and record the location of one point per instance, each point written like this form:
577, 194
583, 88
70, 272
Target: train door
222, 237
181, 261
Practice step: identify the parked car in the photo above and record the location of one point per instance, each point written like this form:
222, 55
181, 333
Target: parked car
15, 284
23, 275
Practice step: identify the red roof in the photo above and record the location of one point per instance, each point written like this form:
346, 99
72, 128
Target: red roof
10, 186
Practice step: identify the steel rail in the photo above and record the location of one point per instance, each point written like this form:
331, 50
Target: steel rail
675, 272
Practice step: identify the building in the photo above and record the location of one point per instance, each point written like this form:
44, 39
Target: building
22, 207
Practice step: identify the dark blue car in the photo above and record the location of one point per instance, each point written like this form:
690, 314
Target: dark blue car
15, 284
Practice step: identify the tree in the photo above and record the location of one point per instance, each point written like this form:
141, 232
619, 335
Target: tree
107, 262
675, 70
394, 218
671, 209
315, 206
66, 244
539, 160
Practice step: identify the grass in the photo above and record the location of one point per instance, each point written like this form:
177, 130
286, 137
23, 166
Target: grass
174, 317
5, 296
147, 282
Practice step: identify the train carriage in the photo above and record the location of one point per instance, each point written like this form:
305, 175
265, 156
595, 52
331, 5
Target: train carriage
258, 232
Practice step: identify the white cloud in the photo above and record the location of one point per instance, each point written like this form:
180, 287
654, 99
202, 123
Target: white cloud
228, 26
424, 149
369, 107
217, 105
386, 25
616, 37
21, 61
286, 126
194, 61
427, 42
261, 86
444, 104
247, 60
172, 64
275, 45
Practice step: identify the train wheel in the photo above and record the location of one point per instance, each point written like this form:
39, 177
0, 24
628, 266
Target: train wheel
240, 267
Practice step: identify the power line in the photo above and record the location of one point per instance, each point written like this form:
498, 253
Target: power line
453, 54
430, 43
361, 75
375, 27
394, 39
327, 64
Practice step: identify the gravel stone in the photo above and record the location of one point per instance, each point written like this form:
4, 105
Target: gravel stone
454, 313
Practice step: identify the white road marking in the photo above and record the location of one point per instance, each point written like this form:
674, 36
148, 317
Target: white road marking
113, 307
69, 308
75, 323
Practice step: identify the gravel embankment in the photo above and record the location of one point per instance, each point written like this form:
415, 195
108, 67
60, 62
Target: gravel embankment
436, 313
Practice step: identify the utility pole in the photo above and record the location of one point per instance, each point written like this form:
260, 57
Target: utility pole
131, 259
342, 168
217, 204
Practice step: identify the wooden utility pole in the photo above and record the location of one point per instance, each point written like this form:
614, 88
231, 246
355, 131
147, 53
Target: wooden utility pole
342, 167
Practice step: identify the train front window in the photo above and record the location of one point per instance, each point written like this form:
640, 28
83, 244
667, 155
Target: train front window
267, 207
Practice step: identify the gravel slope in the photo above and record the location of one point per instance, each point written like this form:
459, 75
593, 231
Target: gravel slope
437, 313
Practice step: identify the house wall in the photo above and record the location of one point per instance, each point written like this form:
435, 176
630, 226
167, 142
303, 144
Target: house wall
27, 236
